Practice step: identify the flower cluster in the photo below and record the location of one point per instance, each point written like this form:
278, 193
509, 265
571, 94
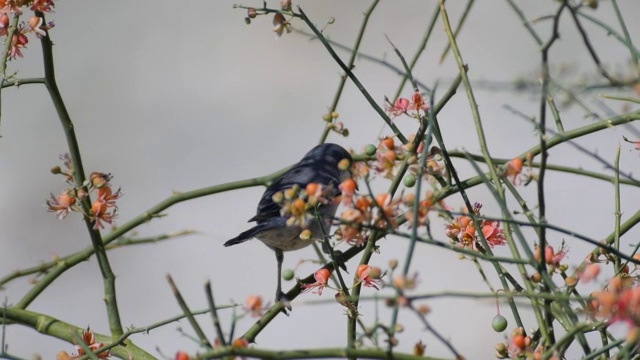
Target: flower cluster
411, 108
619, 301
90, 340
103, 209
363, 213
462, 231
387, 161
36, 25
425, 205
382, 211
298, 205
367, 275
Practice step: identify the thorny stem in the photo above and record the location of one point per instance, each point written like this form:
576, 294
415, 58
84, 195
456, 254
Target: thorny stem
353, 78
352, 60
547, 331
108, 276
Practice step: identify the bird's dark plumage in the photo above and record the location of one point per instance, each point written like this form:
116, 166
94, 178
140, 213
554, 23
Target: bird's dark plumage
319, 165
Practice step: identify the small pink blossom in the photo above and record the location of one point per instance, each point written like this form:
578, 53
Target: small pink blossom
4, 24
43, 5
590, 272
492, 232
322, 277
399, 107
369, 276
418, 102
551, 257
18, 42
61, 205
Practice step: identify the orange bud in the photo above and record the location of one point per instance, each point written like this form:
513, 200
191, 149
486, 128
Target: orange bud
388, 143
348, 186
98, 179
254, 302
390, 156
383, 199
312, 188
240, 343
519, 341
181, 355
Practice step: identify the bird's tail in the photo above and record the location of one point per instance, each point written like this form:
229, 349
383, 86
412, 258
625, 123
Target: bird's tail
247, 235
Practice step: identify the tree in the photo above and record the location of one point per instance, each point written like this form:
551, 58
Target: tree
526, 156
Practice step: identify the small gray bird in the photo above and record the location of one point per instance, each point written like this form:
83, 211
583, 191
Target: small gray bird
320, 165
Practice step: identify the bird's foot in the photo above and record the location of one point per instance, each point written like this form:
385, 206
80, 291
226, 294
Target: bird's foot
281, 297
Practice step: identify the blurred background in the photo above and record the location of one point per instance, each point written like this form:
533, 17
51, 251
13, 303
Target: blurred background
173, 98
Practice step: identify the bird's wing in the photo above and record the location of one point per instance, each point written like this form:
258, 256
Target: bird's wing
273, 223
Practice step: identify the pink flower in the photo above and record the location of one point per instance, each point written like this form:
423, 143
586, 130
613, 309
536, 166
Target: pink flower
18, 41
628, 306
11, 6
462, 230
101, 215
590, 272
90, 340
348, 189
107, 196
322, 277
493, 233
61, 205
399, 107
4, 24
43, 5
551, 257
418, 102
369, 276
35, 23
254, 305
514, 169
351, 227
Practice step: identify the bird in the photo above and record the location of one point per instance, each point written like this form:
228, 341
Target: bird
319, 166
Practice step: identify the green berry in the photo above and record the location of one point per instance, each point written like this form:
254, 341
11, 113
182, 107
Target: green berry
370, 150
288, 274
499, 323
409, 181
